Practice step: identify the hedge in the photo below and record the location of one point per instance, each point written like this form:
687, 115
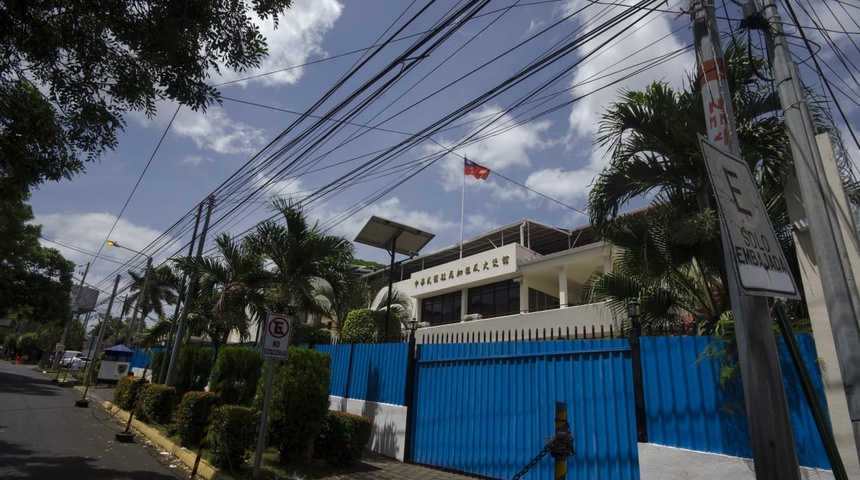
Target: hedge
125, 393
342, 439
192, 417
236, 373
193, 369
156, 403
232, 435
299, 403
360, 326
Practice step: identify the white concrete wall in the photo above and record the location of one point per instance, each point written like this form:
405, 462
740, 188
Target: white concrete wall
657, 462
581, 316
388, 436
834, 391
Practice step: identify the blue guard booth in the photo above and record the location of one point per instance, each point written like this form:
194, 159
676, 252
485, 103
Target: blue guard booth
117, 363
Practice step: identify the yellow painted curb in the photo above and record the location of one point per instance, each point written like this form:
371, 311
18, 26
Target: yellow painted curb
204, 469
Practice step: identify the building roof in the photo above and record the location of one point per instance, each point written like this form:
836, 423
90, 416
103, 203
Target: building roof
540, 238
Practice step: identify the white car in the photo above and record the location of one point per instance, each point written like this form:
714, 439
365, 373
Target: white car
68, 355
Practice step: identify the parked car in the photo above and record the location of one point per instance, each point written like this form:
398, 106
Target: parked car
68, 355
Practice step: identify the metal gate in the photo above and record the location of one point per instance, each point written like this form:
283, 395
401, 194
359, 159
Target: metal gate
488, 408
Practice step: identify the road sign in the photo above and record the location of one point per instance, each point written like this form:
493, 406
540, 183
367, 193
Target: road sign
755, 252
60, 348
279, 329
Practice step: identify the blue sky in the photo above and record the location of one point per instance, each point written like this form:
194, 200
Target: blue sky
546, 143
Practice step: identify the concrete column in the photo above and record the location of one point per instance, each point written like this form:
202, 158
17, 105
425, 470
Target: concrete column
607, 264
562, 287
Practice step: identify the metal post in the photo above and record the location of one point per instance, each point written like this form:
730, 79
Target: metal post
189, 296
261, 435
638, 381
837, 279
71, 316
83, 402
390, 284
140, 299
411, 367
764, 394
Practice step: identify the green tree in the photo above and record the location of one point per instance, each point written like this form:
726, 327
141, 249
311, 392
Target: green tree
233, 280
652, 139
161, 289
305, 262
96, 61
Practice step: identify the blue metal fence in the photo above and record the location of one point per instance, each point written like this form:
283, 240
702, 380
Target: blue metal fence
377, 372
686, 406
488, 408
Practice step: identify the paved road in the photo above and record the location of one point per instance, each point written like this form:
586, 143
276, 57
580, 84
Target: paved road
44, 436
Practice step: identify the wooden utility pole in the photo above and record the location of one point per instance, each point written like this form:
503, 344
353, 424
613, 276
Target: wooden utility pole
837, 279
764, 394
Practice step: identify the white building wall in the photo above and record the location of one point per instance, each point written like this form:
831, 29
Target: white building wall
388, 434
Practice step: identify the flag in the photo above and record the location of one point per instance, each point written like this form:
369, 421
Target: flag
475, 170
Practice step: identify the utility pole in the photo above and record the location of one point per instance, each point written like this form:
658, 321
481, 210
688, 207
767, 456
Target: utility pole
189, 296
837, 279
769, 422
168, 350
83, 402
140, 299
57, 355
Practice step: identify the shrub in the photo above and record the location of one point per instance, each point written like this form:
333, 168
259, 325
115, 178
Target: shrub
299, 403
192, 417
305, 334
126, 391
237, 370
342, 438
360, 326
157, 358
195, 365
28, 344
232, 435
156, 403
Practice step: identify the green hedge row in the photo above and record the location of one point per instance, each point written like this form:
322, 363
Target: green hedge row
342, 438
126, 391
156, 403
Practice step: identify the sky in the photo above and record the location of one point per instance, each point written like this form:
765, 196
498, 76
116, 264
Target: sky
387, 131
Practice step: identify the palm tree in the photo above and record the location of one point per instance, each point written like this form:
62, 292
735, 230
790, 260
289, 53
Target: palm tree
161, 289
652, 139
305, 262
232, 285
358, 293
657, 262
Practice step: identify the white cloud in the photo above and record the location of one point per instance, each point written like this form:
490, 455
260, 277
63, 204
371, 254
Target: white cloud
195, 160
215, 131
299, 34
634, 41
498, 152
88, 232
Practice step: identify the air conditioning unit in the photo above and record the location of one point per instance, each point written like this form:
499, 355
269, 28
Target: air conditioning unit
472, 316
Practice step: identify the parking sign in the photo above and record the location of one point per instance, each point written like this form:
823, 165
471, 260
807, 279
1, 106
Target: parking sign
279, 329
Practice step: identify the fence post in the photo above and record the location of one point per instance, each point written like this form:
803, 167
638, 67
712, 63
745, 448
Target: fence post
638, 383
348, 375
411, 367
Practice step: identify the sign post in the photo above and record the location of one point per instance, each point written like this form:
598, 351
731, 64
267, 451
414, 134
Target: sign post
275, 345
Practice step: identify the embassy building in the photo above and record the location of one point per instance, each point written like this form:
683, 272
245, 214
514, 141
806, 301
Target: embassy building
523, 276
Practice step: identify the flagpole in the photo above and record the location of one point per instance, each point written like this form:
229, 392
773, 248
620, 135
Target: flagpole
462, 207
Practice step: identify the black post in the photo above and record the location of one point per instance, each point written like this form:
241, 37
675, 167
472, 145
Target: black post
638, 383
411, 367
390, 285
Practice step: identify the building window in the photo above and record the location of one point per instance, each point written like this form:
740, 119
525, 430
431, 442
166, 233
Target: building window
541, 301
442, 309
495, 299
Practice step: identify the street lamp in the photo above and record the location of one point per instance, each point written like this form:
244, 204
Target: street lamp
633, 314
140, 293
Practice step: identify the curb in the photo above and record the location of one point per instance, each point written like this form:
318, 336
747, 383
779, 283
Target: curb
204, 469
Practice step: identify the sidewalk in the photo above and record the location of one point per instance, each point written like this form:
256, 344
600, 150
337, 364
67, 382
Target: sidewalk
372, 466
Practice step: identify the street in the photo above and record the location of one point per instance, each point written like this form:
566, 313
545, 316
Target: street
44, 436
